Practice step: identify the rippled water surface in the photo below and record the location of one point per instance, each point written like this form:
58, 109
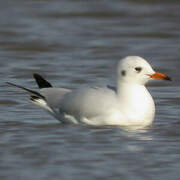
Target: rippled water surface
76, 44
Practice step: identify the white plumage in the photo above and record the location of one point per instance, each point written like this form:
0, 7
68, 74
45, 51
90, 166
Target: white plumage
127, 104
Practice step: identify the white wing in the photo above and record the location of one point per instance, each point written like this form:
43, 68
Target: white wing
80, 103
54, 95
87, 102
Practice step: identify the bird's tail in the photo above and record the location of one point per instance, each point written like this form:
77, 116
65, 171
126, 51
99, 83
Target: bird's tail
36, 97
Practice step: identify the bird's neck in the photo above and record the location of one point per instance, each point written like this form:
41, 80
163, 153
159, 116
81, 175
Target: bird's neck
133, 93
125, 88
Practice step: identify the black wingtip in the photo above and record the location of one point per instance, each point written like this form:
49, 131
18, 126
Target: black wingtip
28, 90
42, 83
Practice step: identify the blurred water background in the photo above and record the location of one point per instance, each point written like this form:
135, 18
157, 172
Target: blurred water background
75, 44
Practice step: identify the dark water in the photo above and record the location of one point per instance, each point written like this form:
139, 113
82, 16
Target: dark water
77, 43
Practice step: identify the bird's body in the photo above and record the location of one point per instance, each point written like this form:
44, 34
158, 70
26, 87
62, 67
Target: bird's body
128, 104
102, 105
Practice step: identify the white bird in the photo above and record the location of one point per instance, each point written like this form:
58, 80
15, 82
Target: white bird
127, 104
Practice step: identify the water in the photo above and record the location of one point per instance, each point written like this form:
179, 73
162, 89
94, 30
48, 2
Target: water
75, 44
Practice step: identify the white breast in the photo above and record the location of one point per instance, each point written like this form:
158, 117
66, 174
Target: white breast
137, 105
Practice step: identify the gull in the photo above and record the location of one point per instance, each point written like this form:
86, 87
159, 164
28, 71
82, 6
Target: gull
127, 104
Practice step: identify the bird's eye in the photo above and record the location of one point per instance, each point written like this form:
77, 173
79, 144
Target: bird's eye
138, 69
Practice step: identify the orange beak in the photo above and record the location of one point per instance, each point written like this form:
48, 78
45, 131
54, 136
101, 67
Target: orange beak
161, 76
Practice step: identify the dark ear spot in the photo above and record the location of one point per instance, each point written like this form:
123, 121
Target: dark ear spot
123, 73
